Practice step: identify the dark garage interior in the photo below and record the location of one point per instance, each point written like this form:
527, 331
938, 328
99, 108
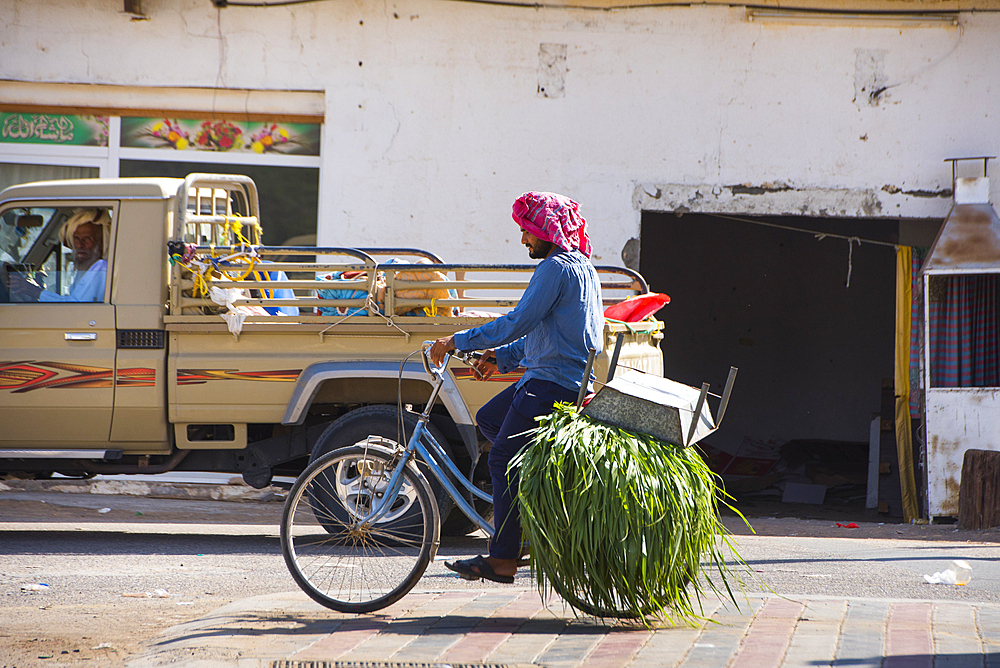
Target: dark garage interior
812, 350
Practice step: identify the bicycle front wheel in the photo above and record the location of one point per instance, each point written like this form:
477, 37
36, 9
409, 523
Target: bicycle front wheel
341, 563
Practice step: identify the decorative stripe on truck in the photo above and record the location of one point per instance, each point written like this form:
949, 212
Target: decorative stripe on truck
137, 377
28, 376
464, 374
199, 376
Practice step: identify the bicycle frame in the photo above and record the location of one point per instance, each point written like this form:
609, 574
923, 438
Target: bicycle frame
431, 452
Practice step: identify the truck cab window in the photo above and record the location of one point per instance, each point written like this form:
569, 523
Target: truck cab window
54, 254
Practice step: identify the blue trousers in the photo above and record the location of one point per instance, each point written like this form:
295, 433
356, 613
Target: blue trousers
503, 422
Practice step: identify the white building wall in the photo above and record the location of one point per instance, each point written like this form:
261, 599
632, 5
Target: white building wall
435, 123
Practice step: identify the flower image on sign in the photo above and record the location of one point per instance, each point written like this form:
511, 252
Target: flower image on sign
221, 136
17, 128
269, 138
174, 136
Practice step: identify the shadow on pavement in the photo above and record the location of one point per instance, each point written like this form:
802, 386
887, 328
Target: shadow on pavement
82, 542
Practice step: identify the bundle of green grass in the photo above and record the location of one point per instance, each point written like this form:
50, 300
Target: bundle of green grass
620, 523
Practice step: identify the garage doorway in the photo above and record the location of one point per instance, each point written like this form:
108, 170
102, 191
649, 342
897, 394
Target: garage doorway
812, 350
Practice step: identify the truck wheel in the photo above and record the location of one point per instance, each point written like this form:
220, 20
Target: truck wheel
379, 425
352, 481
457, 524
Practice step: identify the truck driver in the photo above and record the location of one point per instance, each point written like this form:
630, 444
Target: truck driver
87, 233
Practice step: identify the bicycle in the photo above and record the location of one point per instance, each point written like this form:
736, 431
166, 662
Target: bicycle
370, 500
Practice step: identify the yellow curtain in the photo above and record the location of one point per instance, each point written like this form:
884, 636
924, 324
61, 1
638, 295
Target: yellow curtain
904, 437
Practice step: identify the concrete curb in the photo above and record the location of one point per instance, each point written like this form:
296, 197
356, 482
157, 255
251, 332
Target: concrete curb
159, 490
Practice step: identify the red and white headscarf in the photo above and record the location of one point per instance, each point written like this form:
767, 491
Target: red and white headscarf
553, 218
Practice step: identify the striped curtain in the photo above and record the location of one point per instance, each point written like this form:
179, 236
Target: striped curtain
964, 331
916, 330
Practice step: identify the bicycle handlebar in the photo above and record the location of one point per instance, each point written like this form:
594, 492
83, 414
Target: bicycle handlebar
466, 357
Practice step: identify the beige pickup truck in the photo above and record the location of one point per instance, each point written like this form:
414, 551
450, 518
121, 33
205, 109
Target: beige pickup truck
191, 347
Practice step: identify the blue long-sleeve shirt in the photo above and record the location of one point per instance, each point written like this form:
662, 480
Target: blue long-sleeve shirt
553, 327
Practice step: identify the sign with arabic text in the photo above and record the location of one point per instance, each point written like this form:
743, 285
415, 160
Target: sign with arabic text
63, 129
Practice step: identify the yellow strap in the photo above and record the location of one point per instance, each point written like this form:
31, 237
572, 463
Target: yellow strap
252, 264
904, 437
263, 276
628, 325
235, 225
200, 285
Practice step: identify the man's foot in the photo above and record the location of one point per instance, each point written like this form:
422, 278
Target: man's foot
487, 568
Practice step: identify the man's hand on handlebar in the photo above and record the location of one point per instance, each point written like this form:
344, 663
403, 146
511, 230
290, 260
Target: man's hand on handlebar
486, 366
441, 348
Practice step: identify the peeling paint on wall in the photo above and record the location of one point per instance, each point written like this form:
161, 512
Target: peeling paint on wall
747, 189
895, 190
778, 198
870, 81
630, 254
765, 199
957, 419
551, 70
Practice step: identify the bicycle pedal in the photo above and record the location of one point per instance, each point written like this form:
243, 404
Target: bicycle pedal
468, 576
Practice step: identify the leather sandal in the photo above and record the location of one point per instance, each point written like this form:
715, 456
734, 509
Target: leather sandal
477, 568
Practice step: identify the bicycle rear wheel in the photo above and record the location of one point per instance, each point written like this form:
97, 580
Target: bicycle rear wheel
604, 611
340, 563
587, 608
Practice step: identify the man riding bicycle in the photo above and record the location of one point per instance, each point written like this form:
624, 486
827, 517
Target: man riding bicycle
550, 334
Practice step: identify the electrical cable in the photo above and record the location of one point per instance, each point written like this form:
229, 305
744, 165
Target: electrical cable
819, 235
851, 240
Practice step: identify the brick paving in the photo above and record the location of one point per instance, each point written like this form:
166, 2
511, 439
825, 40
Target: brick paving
616, 647
861, 640
908, 639
816, 634
494, 630
769, 634
516, 627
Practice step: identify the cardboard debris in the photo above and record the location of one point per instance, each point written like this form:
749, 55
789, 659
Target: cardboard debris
798, 492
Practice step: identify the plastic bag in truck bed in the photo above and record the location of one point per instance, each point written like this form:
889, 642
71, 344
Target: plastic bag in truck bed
348, 293
424, 293
414, 293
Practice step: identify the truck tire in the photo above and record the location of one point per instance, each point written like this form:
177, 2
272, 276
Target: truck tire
457, 524
381, 421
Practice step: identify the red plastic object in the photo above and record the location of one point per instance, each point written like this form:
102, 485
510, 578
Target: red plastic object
637, 308
851, 525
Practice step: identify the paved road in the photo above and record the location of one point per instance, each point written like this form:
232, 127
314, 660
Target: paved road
832, 600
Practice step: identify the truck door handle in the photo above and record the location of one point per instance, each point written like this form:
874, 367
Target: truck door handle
81, 336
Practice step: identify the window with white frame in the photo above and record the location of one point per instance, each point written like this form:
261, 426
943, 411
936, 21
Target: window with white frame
281, 157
